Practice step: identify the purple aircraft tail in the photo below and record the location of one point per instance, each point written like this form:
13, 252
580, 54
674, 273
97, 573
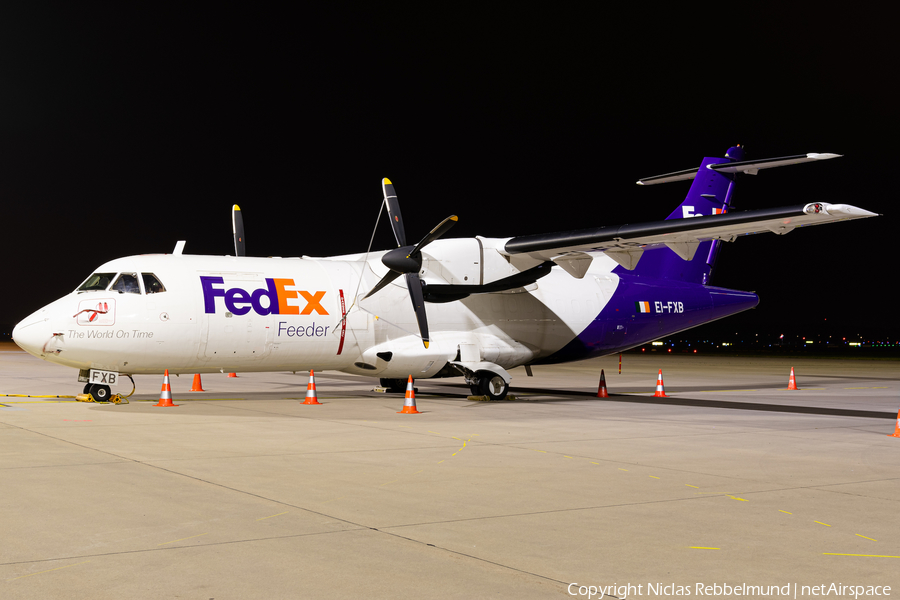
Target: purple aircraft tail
710, 194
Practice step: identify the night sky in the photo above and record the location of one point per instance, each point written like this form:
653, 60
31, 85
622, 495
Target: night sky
129, 127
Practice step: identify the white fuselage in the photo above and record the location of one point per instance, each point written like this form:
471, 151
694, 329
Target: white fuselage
270, 314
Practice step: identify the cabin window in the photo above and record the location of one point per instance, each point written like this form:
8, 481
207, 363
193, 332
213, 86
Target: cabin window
97, 281
152, 284
127, 283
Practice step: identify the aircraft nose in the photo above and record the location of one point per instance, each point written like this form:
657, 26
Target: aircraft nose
32, 333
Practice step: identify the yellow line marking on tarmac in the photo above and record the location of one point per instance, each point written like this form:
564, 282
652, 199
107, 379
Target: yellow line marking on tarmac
440, 461
621, 469
49, 570
866, 555
703, 548
434, 432
785, 512
741, 499
183, 399
594, 463
868, 538
653, 476
536, 450
270, 516
720, 391
821, 523
387, 482
182, 539
40, 402
564, 456
693, 486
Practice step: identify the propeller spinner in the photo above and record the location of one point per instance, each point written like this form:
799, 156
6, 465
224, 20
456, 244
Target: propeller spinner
407, 260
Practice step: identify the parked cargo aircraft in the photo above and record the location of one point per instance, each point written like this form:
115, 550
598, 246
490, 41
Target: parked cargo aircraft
479, 306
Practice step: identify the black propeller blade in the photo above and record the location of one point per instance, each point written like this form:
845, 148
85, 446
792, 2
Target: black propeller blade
407, 260
237, 224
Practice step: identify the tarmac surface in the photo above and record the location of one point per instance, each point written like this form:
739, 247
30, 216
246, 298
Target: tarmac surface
242, 491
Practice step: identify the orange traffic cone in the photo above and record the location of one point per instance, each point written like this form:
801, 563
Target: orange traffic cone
792, 383
165, 395
232, 374
198, 385
896, 427
660, 388
409, 405
602, 393
311, 397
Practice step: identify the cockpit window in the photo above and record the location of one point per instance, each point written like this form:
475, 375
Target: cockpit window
127, 283
97, 281
152, 285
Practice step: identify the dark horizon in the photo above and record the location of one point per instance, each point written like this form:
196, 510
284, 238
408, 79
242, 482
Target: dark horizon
129, 130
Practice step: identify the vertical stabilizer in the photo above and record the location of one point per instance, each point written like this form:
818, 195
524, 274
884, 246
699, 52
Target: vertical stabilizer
710, 194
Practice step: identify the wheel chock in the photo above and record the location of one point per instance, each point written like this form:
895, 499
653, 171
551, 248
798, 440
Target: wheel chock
114, 399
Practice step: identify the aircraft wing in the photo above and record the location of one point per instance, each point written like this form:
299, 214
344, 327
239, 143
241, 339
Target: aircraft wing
625, 243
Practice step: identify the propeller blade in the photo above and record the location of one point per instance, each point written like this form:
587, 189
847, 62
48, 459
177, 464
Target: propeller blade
391, 275
414, 284
237, 225
437, 232
393, 207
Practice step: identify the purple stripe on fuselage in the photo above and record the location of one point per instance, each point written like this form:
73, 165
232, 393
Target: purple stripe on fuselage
670, 306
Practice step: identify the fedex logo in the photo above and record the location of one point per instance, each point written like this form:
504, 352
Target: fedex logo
239, 301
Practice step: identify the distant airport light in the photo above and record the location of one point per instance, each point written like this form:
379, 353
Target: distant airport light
657, 343
810, 342
855, 344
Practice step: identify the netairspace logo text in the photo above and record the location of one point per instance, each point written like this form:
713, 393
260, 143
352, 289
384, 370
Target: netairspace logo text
622, 592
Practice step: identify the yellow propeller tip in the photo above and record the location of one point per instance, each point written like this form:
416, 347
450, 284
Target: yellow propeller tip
426, 344
236, 207
387, 181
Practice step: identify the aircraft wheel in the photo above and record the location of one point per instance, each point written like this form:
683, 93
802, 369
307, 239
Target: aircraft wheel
492, 385
395, 386
101, 393
87, 389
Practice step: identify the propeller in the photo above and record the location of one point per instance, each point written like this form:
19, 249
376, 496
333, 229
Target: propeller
237, 224
407, 260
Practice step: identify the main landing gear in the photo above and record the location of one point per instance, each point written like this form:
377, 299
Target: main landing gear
491, 385
394, 386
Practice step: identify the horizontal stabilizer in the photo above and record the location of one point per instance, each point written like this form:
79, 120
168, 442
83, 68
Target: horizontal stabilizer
750, 167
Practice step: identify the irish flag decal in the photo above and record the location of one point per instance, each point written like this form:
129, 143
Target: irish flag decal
642, 307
